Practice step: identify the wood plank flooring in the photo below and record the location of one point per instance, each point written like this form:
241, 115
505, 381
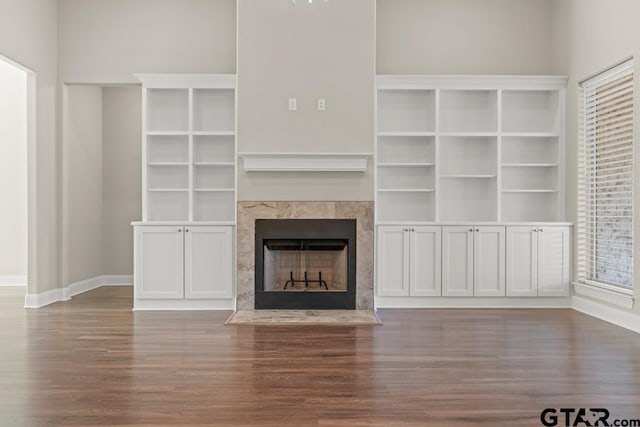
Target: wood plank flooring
91, 361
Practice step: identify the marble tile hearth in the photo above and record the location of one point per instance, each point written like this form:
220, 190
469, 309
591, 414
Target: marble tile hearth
248, 212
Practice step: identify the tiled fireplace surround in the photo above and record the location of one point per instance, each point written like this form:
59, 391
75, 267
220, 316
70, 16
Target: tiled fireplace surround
248, 212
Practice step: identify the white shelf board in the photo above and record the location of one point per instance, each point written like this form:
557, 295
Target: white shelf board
168, 190
213, 133
400, 133
214, 190
214, 164
168, 163
168, 133
531, 134
468, 82
181, 223
464, 176
407, 190
530, 165
529, 191
404, 165
305, 162
469, 134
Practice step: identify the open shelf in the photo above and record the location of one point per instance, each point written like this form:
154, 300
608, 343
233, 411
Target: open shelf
167, 110
214, 177
530, 150
214, 149
391, 178
468, 111
406, 110
213, 110
468, 156
530, 178
214, 206
468, 200
168, 205
167, 149
530, 111
530, 206
403, 149
411, 206
168, 177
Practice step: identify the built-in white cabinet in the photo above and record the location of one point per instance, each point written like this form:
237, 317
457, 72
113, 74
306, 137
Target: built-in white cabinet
184, 245
408, 261
469, 149
189, 148
538, 261
176, 262
473, 260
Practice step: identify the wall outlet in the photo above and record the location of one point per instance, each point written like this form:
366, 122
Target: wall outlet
293, 104
321, 104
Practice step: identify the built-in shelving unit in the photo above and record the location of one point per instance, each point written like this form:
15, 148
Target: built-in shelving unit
189, 147
469, 149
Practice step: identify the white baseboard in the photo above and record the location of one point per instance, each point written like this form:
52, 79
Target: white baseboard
625, 319
65, 294
183, 304
13, 280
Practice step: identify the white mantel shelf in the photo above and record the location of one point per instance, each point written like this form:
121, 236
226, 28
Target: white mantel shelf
305, 162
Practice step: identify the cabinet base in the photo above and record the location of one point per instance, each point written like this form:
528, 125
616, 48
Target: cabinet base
471, 302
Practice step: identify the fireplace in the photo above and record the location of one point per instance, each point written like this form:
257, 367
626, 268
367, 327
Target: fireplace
305, 263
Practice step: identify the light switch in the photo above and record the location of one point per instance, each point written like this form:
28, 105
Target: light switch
321, 104
293, 104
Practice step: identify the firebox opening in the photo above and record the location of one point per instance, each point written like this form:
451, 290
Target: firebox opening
305, 264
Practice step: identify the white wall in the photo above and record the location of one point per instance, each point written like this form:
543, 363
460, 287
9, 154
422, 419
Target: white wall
307, 51
107, 41
121, 175
464, 36
83, 178
592, 35
13, 171
28, 35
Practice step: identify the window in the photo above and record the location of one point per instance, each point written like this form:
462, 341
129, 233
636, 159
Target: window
605, 184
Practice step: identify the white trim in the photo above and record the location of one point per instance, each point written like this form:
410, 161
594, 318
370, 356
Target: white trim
605, 293
305, 162
183, 304
204, 81
77, 288
510, 82
471, 302
613, 315
13, 280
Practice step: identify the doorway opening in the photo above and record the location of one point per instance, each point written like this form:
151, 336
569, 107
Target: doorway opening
14, 217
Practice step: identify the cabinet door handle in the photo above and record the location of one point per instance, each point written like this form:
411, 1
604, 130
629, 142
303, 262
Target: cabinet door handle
471, 230
179, 230
477, 230
405, 229
186, 230
413, 229
535, 230
541, 230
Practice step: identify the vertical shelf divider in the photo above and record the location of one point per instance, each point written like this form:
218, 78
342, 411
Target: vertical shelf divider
191, 161
499, 159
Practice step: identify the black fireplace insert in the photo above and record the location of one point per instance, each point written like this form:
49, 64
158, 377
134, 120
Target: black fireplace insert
305, 264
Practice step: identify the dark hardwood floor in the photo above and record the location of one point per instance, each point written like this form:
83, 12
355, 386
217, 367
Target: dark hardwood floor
92, 361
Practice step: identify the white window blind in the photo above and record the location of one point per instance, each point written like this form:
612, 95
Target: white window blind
605, 193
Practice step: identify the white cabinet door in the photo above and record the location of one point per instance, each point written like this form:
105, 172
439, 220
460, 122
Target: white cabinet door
159, 262
488, 262
393, 261
425, 249
208, 262
553, 261
457, 261
522, 261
